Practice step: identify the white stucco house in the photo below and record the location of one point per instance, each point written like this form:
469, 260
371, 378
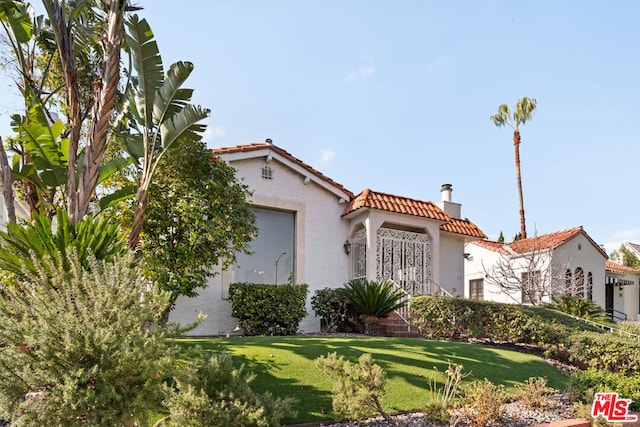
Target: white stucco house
622, 291
313, 230
567, 261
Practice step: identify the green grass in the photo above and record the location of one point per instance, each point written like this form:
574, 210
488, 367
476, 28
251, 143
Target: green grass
285, 367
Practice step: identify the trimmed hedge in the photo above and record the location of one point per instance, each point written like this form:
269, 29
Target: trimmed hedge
268, 309
463, 319
561, 336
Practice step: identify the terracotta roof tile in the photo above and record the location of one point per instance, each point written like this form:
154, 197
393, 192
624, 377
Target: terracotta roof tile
492, 246
614, 267
246, 148
405, 205
463, 226
545, 241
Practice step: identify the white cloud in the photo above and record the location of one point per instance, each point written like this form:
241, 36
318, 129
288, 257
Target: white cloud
214, 132
361, 73
630, 235
326, 156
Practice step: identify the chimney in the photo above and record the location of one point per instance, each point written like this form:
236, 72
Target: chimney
450, 208
446, 192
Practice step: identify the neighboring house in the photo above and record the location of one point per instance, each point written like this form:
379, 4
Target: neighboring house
534, 269
313, 230
622, 291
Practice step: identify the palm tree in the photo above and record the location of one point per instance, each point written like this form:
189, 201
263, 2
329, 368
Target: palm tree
521, 114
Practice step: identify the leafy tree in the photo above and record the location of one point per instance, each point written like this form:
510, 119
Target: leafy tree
522, 114
197, 217
626, 257
501, 237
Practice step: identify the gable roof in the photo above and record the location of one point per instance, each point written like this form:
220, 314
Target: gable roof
545, 241
265, 148
408, 206
614, 267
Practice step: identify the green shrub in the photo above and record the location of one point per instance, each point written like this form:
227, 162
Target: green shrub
268, 309
80, 352
630, 326
604, 351
209, 392
357, 388
579, 307
584, 385
461, 319
333, 308
91, 237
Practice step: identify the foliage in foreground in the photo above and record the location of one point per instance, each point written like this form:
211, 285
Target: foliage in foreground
268, 309
78, 350
212, 393
357, 388
584, 385
91, 237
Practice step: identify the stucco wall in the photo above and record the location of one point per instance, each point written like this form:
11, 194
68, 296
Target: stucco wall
451, 260
320, 233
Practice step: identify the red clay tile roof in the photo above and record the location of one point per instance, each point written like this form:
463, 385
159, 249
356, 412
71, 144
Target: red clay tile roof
614, 267
463, 226
545, 241
405, 205
246, 148
492, 246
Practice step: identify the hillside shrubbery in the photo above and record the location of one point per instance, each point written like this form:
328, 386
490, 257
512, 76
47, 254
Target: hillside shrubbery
610, 362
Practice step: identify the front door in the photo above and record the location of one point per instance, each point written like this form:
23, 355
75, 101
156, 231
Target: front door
608, 298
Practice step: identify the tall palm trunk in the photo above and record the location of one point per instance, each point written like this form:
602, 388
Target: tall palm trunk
102, 108
516, 146
7, 185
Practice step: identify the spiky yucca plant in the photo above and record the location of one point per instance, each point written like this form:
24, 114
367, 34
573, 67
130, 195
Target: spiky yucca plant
375, 299
579, 307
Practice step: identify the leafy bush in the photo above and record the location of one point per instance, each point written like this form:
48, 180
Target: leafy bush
579, 307
376, 299
77, 349
461, 319
439, 409
604, 351
483, 403
333, 308
209, 392
268, 309
630, 326
584, 385
357, 387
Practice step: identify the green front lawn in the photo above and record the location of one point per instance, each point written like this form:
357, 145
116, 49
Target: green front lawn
285, 367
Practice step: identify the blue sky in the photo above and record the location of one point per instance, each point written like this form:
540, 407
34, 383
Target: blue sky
396, 96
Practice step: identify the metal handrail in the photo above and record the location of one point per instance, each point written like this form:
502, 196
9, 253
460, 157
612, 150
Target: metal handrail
607, 327
616, 314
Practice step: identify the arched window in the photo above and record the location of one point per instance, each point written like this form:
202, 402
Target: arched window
579, 283
590, 286
568, 285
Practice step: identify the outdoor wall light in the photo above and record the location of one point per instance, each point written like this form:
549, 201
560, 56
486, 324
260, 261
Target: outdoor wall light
347, 247
620, 287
